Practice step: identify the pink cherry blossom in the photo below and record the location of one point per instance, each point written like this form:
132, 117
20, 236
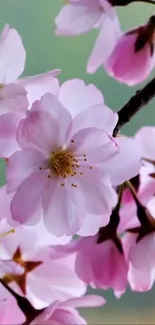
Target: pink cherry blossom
44, 280
49, 136
136, 47
65, 312
80, 16
101, 265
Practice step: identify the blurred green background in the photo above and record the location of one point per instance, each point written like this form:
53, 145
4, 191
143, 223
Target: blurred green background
34, 20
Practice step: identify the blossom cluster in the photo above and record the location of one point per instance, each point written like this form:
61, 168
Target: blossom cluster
68, 174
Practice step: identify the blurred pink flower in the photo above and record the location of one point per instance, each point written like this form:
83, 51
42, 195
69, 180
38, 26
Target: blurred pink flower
80, 16
65, 312
16, 96
99, 264
144, 183
133, 57
44, 279
140, 257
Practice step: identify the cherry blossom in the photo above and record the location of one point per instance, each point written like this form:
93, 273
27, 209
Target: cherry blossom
99, 263
136, 47
78, 17
69, 161
44, 280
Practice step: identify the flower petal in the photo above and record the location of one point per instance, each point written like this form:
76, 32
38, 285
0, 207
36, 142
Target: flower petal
39, 131
60, 215
8, 130
127, 163
105, 42
51, 106
92, 146
21, 165
13, 99
76, 96
26, 203
12, 55
39, 85
85, 301
98, 116
93, 194
76, 19
143, 137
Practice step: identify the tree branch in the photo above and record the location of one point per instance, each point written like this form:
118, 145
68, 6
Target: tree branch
134, 105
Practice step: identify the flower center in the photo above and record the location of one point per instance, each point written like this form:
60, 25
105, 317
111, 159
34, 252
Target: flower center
61, 162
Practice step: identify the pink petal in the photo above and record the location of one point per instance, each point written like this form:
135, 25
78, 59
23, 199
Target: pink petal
39, 85
76, 96
21, 165
39, 131
98, 116
57, 203
13, 99
140, 280
105, 43
76, 19
26, 203
12, 56
92, 223
95, 144
142, 255
51, 106
5, 200
93, 194
143, 137
8, 131
66, 316
127, 163
84, 301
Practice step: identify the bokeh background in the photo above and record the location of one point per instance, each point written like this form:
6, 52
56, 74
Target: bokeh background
34, 20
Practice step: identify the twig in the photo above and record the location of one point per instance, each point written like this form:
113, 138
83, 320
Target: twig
134, 105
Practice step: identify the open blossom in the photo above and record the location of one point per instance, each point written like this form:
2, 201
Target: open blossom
68, 162
43, 280
65, 312
17, 95
136, 47
78, 17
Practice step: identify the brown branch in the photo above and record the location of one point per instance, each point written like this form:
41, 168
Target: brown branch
134, 105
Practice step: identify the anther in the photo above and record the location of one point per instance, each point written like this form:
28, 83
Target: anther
40, 168
90, 167
84, 155
62, 184
81, 173
85, 159
49, 176
72, 141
